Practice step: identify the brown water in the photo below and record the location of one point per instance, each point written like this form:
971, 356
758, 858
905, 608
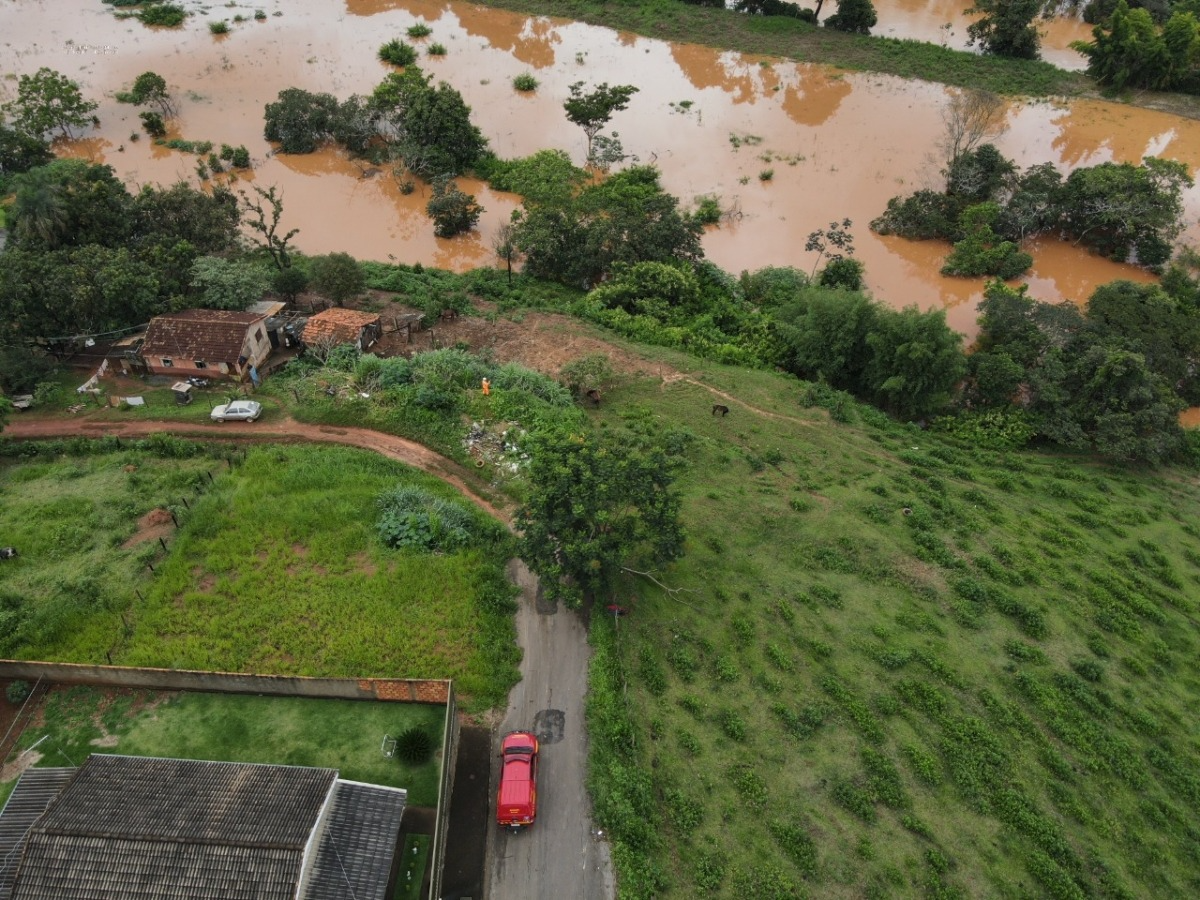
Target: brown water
839, 145
945, 22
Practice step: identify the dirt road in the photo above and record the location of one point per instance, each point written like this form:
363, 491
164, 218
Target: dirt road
559, 856
277, 431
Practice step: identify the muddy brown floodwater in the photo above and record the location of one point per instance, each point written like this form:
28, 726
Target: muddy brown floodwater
838, 145
945, 22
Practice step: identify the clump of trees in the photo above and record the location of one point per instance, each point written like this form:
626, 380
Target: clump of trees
1006, 27
85, 256
1110, 378
1130, 49
407, 122
1130, 213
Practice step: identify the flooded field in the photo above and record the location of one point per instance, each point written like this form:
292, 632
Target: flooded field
944, 22
838, 145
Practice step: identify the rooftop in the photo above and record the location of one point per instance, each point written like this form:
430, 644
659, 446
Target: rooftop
211, 335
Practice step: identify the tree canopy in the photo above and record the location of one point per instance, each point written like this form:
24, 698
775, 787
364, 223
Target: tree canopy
1006, 27
596, 504
49, 103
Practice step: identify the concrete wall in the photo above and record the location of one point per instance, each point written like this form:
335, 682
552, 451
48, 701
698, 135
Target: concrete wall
441, 825
398, 690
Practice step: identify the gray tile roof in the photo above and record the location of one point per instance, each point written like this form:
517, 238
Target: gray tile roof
35, 790
358, 844
191, 801
134, 828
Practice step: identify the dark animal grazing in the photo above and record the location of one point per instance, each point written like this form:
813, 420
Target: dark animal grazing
593, 397
448, 315
720, 409
8, 553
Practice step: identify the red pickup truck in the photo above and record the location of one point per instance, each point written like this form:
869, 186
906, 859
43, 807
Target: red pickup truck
516, 803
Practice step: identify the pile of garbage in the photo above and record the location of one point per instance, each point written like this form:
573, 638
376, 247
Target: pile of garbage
497, 445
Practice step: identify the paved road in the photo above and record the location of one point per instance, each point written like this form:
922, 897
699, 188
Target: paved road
558, 858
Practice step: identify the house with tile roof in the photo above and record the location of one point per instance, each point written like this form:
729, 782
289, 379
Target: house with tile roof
206, 343
138, 828
334, 326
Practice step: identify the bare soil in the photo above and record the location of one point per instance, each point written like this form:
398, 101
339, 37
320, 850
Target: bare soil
152, 526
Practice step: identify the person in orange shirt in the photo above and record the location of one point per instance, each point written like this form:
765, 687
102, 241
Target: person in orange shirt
487, 387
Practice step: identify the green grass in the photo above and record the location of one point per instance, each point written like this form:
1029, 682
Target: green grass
414, 858
340, 734
276, 569
995, 689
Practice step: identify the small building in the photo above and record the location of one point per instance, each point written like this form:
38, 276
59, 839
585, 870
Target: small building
334, 326
140, 828
206, 343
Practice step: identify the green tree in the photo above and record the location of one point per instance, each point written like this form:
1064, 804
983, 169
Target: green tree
830, 244
209, 221
853, 16
916, 361
300, 121
265, 222
826, 336
1005, 28
151, 88
627, 218
453, 211
995, 378
592, 111
596, 504
20, 152
667, 291
224, 284
438, 137
504, 245
49, 102
1126, 50
289, 283
70, 202
981, 251
1121, 210
338, 276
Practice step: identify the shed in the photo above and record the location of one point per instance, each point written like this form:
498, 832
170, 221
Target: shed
206, 343
335, 326
140, 828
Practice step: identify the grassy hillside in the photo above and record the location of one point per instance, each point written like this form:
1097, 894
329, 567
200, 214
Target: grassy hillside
898, 666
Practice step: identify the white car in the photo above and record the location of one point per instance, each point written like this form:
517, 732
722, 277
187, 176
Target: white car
238, 410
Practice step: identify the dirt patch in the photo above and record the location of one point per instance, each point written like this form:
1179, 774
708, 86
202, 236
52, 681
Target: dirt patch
363, 563
153, 525
13, 769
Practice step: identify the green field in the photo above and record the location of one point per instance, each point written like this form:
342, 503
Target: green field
900, 666
276, 569
339, 734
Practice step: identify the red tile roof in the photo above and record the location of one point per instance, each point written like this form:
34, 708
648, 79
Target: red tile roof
336, 325
211, 335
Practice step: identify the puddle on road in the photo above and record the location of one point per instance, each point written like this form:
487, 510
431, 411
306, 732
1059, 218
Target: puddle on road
838, 145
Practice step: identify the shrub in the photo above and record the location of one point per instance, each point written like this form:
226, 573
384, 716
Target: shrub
419, 30
164, 15
414, 746
219, 27
412, 517
436, 50
525, 82
398, 53
153, 123
766, 175
17, 692
708, 210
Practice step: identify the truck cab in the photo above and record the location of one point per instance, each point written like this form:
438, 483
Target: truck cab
516, 802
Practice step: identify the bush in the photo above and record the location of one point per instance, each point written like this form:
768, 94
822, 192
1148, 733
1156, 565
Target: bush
153, 123
414, 518
17, 692
436, 50
525, 82
398, 53
165, 15
419, 30
219, 27
414, 746
708, 210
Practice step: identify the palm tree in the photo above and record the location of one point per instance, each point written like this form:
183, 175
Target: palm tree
40, 209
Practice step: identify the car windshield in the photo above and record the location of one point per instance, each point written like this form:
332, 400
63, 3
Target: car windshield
525, 751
